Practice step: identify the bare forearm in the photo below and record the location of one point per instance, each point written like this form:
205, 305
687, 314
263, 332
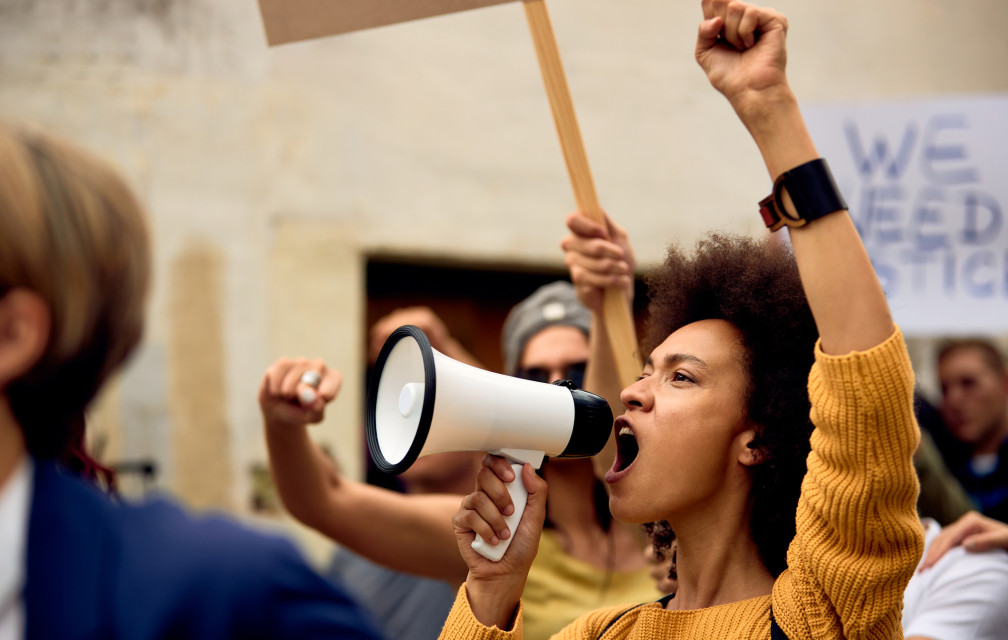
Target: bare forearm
409, 533
843, 291
454, 350
302, 476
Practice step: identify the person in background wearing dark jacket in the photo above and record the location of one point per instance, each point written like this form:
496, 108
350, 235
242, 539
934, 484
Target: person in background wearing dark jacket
974, 385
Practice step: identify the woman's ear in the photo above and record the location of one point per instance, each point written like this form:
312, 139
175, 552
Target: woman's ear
25, 325
749, 455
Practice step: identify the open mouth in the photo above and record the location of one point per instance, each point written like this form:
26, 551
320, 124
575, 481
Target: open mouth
626, 446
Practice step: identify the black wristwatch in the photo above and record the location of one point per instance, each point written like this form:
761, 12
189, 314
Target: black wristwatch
813, 191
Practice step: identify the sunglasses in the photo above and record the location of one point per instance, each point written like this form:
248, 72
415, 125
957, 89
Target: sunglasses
574, 372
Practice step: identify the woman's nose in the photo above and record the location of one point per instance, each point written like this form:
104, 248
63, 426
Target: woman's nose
634, 396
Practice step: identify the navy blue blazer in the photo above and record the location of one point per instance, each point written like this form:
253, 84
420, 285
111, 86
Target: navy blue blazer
100, 569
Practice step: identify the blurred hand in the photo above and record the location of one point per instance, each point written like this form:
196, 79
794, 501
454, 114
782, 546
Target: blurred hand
428, 322
975, 532
421, 317
288, 402
598, 257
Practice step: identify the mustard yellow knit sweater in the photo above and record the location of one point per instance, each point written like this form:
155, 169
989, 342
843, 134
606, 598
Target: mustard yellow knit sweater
858, 536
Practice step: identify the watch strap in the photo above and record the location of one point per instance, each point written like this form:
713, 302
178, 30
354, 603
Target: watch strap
813, 192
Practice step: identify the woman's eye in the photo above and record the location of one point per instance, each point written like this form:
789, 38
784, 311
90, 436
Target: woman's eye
679, 376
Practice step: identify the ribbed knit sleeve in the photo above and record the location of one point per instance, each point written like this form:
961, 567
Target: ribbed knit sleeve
858, 536
463, 625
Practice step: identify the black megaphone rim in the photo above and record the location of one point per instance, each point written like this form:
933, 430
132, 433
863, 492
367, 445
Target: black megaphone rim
426, 412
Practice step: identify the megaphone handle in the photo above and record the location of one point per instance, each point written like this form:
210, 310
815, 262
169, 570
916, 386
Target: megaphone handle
519, 496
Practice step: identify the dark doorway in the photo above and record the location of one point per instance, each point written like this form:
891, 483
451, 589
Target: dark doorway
472, 299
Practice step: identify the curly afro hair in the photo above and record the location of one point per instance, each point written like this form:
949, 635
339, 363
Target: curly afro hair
754, 285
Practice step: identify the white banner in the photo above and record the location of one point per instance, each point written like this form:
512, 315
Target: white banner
927, 186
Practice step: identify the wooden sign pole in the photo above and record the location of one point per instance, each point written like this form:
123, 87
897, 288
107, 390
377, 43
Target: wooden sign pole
616, 311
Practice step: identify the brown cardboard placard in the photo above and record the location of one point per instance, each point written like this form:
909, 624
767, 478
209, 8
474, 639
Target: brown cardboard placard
293, 20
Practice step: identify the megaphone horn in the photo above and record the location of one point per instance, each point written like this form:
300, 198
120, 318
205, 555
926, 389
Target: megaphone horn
421, 401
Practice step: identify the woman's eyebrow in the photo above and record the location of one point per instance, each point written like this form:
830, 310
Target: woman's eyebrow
673, 359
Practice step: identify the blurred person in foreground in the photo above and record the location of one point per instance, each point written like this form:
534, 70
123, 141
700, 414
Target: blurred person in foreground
74, 271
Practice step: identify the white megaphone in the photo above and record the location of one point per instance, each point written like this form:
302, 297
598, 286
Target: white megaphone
421, 401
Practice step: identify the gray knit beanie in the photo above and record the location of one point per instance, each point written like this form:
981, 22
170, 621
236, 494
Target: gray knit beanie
552, 304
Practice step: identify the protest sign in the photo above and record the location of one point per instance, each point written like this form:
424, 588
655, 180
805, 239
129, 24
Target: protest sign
925, 183
293, 20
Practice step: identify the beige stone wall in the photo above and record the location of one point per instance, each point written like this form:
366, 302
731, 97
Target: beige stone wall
270, 174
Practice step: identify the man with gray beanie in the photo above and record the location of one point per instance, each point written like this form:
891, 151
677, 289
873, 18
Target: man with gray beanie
552, 305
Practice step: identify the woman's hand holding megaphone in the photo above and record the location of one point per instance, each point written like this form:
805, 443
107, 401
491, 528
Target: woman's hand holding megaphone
494, 588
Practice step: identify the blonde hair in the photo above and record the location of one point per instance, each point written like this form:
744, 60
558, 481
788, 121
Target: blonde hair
72, 232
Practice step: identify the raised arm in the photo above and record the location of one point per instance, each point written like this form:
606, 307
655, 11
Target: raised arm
857, 532
410, 533
742, 49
